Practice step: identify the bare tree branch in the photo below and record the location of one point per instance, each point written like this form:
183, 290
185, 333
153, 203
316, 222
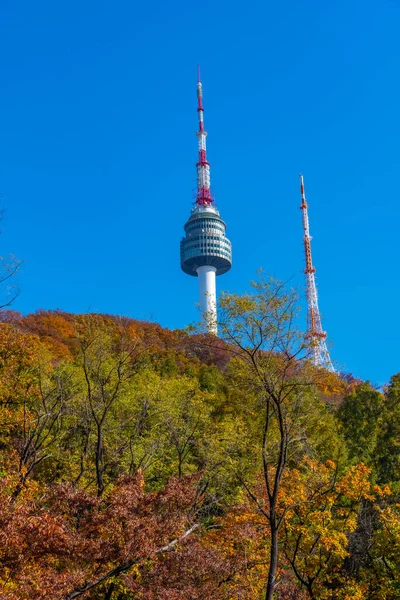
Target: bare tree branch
125, 566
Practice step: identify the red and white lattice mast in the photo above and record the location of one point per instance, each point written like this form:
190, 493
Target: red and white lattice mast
315, 336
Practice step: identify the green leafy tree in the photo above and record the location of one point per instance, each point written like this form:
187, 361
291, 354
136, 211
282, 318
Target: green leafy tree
360, 416
271, 369
108, 360
388, 441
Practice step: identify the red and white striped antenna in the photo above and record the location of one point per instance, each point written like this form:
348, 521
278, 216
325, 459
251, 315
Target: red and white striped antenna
315, 336
203, 197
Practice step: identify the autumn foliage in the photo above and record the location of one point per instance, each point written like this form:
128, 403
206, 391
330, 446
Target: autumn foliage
134, 463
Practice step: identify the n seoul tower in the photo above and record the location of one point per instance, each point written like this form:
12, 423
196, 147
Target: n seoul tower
205, 250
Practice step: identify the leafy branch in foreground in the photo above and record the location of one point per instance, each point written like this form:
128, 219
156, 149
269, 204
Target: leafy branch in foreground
270, 367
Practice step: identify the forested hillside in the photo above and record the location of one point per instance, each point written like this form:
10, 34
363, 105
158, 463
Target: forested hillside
138, 462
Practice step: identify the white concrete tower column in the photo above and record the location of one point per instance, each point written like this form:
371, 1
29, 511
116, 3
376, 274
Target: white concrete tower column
208, 297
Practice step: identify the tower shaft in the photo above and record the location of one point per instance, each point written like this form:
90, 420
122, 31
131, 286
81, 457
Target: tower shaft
208, 297
315, 336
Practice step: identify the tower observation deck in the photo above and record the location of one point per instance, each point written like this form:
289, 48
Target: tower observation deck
205, 250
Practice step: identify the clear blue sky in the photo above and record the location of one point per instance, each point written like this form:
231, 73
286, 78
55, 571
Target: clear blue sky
98, 151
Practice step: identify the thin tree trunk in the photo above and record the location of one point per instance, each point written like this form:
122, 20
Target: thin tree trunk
273, 558
99, 460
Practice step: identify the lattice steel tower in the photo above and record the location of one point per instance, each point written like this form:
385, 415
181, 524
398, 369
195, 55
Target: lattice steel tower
315, 335
205, 250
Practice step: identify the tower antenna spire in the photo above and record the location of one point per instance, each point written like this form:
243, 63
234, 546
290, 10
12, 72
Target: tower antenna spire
203, 197
315, 336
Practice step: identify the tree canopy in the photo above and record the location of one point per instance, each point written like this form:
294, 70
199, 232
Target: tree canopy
138, 462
